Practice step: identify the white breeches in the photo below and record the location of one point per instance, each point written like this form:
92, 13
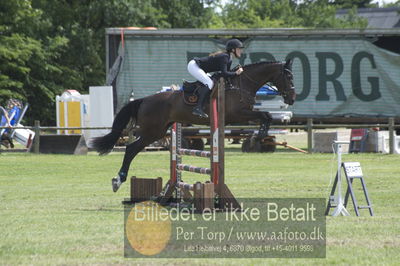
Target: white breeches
199, 74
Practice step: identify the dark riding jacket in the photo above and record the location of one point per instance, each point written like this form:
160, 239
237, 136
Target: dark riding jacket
214, 63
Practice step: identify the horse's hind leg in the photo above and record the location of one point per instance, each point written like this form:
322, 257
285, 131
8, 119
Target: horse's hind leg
131, 151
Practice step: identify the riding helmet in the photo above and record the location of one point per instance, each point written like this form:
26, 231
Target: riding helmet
232, 44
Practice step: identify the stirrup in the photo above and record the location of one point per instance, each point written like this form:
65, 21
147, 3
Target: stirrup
199, 112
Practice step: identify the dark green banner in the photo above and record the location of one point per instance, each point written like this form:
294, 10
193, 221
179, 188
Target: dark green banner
333, 77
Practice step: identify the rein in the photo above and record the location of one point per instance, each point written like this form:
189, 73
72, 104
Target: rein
248, 77
247, 96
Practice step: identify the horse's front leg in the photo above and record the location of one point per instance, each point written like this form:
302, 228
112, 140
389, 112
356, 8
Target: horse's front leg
131, 151
265, 123
265, 119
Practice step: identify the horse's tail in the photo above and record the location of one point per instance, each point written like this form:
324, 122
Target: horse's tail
104, 144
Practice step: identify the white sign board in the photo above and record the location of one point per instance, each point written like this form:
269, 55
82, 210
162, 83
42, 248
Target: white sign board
101, 109
353, 169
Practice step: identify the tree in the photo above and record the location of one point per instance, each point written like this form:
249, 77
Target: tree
286, 14
29, 69
185, 13
320, 14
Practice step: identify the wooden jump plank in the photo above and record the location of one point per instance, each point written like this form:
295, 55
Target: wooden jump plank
197, 153
193, 169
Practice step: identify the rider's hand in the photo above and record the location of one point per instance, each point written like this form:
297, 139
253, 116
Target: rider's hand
239, 71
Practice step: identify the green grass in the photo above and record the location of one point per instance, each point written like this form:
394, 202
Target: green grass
59, 209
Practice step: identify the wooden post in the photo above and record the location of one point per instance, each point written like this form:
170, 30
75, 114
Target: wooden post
214, 132
208, 196
36, 143
309, 135
217, 123
197, 196
226, 199
221, 135
391, 135
175, 176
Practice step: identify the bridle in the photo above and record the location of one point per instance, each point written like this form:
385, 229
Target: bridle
286, 91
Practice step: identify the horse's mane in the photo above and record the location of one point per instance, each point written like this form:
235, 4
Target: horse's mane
261, 63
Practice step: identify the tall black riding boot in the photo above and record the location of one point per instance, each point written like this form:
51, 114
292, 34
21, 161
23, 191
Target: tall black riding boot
198, 109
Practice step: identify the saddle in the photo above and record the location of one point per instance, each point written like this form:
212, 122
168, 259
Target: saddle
190, 95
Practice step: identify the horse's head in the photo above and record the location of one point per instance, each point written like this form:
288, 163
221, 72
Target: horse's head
284, 83
257, 74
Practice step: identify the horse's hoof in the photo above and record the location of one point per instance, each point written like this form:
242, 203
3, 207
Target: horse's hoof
115, 184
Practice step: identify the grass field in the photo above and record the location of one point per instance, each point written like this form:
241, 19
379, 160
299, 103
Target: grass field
59, 209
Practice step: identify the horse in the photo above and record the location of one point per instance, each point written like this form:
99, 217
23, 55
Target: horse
154, 114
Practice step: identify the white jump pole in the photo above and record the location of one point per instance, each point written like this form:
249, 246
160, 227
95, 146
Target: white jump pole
340, 209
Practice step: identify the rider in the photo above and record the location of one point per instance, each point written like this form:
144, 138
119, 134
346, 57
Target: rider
219, 61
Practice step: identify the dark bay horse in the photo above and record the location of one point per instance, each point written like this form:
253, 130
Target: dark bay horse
154, 114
